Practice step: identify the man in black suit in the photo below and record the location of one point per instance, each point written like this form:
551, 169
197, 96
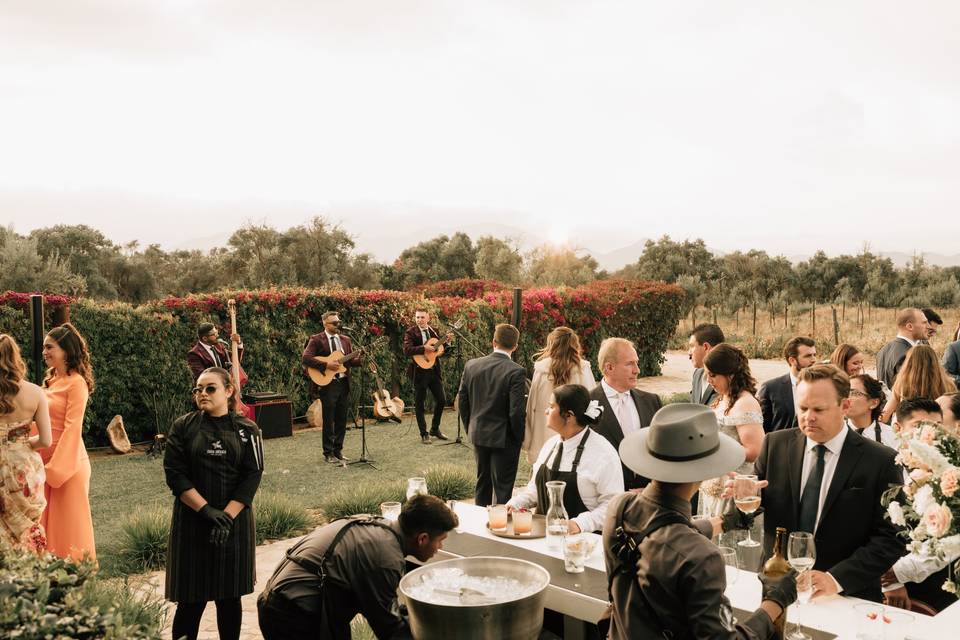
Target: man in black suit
625, 408
493, 405
778, 396
415, 344
826, 479
912, 327
703, 338
335, 396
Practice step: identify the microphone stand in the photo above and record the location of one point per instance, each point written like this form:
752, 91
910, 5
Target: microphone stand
458, 367
358, 409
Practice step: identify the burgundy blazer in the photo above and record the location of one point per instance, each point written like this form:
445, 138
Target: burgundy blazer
413, 346
318, 345
199, 359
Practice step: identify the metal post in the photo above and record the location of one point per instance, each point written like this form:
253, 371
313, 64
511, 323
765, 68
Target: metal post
36, 337
517, 306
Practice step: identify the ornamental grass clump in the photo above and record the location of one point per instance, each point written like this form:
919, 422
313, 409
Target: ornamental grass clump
143, 545
450, 482
278, 517
366, 498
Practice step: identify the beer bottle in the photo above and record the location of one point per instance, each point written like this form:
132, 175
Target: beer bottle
777, 566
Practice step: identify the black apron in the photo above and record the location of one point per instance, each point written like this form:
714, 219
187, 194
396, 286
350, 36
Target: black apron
571, 493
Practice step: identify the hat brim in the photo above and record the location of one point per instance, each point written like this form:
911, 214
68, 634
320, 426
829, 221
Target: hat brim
636, 456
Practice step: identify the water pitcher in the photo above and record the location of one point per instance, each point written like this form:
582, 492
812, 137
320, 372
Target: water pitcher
556, 515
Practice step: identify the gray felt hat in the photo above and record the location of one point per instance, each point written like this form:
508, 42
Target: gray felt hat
682, 444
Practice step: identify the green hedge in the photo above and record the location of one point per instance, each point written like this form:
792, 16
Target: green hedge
139, 354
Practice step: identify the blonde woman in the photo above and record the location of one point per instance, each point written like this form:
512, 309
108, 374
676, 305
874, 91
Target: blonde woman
920, 377
559, 362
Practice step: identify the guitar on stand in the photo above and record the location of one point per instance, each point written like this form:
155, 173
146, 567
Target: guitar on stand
236, 371
384, 407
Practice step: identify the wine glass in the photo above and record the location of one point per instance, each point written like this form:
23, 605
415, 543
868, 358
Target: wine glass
729, 556
747, 498
802, 555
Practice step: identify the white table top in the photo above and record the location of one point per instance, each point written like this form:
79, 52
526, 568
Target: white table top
835, 614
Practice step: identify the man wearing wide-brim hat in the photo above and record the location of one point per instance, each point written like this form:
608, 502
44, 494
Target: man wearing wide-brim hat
666, 576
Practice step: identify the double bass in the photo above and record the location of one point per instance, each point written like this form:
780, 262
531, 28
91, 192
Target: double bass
236, 370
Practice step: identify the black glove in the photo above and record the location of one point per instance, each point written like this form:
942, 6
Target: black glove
219, 535
736, 519
216, 517
780, 589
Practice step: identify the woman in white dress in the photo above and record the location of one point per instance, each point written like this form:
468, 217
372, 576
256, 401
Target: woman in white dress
738, 414
559, 362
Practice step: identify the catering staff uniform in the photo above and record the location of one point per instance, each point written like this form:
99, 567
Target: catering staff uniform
878, 431
362, 570
682, 575
591, 468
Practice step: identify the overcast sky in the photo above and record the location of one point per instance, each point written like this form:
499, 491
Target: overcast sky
789, 126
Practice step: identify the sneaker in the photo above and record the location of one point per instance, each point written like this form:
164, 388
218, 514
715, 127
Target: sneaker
330, 458
341, 458
425, 439
439, 435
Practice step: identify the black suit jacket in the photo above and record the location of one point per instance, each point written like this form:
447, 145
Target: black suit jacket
492, 401
609, 427
776, 403
855, 542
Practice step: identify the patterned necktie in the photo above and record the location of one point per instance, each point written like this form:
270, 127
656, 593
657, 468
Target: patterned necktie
810, 499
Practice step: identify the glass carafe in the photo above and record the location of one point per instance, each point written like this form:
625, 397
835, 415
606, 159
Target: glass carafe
416, 486
557, 516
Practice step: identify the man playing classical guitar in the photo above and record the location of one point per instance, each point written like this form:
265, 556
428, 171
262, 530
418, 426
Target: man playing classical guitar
335, 396
415, 343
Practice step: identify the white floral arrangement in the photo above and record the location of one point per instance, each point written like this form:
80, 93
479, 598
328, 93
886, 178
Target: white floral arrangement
928, 506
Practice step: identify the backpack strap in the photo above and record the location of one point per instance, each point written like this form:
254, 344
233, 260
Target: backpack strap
626, 547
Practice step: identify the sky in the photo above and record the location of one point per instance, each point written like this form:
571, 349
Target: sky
789, 126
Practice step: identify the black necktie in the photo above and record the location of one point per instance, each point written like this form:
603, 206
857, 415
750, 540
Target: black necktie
810, 499
216, 357
556, 461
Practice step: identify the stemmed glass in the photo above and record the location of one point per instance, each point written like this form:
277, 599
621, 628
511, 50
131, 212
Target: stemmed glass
802, 555
747, 498
730, 559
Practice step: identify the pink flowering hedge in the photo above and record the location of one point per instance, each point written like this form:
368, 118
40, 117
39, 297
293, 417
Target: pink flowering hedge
139, 353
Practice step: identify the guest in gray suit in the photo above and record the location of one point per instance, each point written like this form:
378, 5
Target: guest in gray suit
703, 338
493, 407
911, 329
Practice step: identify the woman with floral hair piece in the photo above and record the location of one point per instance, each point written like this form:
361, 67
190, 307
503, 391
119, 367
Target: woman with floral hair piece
586, 461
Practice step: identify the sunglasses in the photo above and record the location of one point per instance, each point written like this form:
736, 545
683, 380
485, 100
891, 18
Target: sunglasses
210, 389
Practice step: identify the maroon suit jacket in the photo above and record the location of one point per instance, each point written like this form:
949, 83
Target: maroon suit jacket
199, 359
413, 346
318, 345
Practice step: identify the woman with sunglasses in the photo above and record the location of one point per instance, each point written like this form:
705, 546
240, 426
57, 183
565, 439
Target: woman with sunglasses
68, 385
213, 463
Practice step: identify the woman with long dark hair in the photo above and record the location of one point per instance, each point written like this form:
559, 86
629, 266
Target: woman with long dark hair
866, 404
559, 362
848, 359
577, 455
21, 469
213, 464
69, 383
738, 413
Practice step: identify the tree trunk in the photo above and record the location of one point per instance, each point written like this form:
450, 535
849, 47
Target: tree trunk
813, 319
715, 316
786, 314
736, 316
693, 317
754, 317
843, 311
836, 326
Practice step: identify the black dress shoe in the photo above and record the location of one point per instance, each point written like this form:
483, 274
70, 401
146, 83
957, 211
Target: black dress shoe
425, 439
439, 435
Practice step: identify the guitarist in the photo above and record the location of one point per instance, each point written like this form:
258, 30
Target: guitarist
415, 344
335, 397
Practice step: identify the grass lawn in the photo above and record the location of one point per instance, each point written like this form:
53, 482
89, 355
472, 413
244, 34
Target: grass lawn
293, 466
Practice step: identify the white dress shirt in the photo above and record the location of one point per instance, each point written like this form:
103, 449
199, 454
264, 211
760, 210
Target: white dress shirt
616, 399
509, 354
599, 477
911, 342
887, 436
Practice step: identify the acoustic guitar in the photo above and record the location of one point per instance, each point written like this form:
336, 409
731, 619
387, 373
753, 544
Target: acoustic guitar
335, 362
384, 407
428, 358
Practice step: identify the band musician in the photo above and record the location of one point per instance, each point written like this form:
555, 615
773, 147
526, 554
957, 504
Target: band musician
335, 396
211, 351
415, 341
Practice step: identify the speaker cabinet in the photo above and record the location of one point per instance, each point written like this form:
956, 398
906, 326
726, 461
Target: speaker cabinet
274, 418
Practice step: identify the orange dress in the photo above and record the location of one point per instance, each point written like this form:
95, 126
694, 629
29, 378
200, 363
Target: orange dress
67, 518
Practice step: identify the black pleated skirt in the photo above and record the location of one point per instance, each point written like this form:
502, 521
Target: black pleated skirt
198, 571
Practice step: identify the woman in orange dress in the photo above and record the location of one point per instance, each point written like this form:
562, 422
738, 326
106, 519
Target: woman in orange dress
69, 381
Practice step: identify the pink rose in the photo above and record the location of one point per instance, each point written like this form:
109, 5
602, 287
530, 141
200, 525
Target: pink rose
928, 434
920, 475
949, 482
937, 518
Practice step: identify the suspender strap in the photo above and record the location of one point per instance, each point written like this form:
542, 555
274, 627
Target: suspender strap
627, 549
318, 568
576, 460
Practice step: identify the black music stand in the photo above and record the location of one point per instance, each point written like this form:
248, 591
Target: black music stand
358, 409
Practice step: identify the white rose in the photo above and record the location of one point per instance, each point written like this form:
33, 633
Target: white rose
895, 511
930, 456
923, 498
950, 546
